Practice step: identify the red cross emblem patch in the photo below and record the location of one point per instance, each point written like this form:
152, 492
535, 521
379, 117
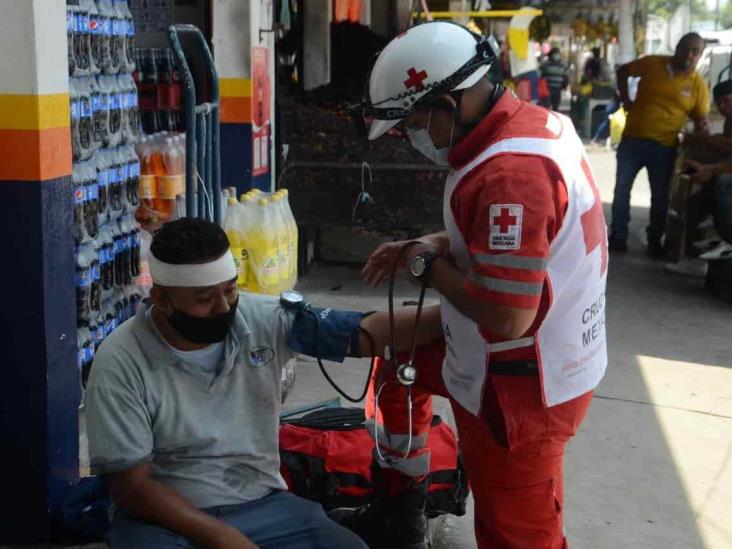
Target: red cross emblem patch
505, 226
415, 79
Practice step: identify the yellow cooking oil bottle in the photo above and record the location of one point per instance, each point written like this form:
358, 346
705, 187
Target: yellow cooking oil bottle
264, 248
293, 235
236, 231
283, 242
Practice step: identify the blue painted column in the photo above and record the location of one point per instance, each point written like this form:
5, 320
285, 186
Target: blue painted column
39, 392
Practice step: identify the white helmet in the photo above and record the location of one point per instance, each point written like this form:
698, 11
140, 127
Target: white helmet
420, 65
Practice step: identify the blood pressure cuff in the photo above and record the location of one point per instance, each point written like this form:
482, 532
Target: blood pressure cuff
337, 333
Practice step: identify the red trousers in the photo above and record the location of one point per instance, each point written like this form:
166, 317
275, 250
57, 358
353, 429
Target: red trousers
513, 453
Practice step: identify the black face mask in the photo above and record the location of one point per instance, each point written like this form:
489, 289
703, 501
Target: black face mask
202, 330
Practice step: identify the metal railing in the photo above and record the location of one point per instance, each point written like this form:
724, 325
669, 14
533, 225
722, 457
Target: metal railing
203, 161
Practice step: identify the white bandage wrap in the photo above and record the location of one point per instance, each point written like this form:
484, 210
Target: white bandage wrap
192, 275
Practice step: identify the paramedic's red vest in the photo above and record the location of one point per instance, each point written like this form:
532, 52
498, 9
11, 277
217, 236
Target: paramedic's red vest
570, 343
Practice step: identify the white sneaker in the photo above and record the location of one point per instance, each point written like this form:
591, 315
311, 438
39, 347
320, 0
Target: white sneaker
707, 243
689, 267
723, 251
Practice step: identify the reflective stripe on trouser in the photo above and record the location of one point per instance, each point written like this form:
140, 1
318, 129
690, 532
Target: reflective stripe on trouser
513, 453
393, 418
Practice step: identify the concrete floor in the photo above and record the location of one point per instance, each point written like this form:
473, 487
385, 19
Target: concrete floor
652, 465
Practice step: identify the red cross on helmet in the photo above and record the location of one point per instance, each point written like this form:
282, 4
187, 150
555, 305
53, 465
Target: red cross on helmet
421, 64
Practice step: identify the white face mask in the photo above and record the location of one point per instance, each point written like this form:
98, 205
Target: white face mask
421, 140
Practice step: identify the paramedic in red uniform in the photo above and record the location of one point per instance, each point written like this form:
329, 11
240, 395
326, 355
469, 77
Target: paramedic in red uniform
521, 272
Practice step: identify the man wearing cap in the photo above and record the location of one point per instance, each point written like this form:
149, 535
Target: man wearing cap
183, 404
521, 271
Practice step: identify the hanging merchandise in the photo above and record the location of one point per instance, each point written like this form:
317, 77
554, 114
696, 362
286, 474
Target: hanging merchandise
71, 11
96, 39
100, 110
80, 65
75, 109
106, 171
105, 14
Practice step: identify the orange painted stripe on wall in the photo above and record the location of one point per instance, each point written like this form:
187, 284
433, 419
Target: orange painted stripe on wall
35, 155
236, 110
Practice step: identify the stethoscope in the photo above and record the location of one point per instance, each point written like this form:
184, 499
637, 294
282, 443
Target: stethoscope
405, 373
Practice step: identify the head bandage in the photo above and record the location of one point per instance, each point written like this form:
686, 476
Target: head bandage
192, 275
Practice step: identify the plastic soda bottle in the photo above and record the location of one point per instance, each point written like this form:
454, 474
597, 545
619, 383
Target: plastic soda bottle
169, 176
236, 233
264, 249
293, 234
282, 233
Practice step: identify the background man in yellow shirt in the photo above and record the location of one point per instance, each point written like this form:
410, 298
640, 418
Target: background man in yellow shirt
670, 90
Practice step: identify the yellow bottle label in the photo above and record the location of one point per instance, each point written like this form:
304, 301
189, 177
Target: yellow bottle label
270, 274
241, 259
170, 186
147, 187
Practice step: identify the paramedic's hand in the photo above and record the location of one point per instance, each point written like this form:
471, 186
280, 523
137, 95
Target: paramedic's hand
411, 253
378, 265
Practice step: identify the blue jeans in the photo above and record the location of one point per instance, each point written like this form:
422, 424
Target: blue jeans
603, 130
633, 155
279, 520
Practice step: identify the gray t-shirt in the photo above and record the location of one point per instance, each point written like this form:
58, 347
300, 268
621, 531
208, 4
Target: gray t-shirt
214, 441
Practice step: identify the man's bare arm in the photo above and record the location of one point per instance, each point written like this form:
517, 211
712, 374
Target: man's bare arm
377, 324
139, 495
623, 73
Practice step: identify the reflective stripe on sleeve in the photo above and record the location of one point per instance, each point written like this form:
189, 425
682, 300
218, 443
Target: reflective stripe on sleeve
511, 261
506, 286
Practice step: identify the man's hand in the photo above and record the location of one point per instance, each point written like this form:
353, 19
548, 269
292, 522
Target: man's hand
166, 508
379, 264
231, 538
703, 173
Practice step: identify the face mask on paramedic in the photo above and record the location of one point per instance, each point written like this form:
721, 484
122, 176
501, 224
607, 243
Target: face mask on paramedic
421, 140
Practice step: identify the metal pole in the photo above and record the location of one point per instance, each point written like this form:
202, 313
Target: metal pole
200, 166
213, 197
190, 92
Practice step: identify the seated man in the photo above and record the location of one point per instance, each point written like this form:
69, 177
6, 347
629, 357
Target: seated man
710, 159
716, 147
183, 403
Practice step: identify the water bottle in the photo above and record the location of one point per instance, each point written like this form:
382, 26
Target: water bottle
96, 40
123, 9
83, 284
104, 8
86, 120
100, 111
133, 181
71, 11
107, 266
110, 317
91, 201
95, 292
75, 109
81, 41
115, 110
